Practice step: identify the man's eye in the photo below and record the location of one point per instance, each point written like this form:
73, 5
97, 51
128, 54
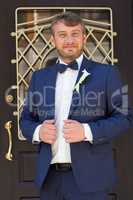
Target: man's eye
62, 35
75, 34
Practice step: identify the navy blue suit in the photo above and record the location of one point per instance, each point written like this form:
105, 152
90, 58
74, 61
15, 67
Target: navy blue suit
92, 164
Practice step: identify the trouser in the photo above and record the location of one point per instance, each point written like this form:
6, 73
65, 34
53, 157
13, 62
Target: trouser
61, 185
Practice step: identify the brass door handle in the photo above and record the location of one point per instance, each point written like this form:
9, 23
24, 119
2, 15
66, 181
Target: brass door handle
8, 127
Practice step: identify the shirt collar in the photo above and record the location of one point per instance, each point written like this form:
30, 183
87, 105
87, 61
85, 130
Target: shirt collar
79, 61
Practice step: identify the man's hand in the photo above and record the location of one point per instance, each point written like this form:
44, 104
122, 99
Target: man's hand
47, 132
73, 131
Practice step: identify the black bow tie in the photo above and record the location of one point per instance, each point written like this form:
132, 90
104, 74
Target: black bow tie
61, 67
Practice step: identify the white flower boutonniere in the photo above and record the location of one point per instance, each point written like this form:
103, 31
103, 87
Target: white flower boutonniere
82, 78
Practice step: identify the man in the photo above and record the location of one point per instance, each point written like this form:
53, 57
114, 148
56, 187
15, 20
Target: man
73, 110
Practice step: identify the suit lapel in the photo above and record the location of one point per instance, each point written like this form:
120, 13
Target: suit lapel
50, 92
86, 64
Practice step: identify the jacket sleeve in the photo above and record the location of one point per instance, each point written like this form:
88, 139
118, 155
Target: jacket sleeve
29, 119
119, 116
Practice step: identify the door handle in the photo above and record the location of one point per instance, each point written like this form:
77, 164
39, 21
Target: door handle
8, 126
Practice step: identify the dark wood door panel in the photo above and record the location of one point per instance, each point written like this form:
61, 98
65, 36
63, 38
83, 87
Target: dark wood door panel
26, 166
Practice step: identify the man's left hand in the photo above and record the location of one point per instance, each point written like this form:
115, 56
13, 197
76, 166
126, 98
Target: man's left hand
73, 131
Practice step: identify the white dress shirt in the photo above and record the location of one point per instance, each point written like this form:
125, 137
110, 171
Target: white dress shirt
63, 95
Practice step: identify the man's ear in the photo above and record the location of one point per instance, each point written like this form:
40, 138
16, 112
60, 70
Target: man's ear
52, 41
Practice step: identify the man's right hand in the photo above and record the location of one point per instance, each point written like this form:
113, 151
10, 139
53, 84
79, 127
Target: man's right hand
47, 132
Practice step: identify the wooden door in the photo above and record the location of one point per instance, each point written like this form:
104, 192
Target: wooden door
17, 175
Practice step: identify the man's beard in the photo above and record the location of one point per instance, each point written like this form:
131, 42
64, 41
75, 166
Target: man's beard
69, 56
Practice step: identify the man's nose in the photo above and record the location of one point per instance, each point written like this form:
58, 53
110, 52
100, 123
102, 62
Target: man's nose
69, 39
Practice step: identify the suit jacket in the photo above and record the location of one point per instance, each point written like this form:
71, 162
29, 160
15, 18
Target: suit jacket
99, 103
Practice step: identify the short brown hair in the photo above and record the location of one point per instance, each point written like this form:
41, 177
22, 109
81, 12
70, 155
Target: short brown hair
69, 19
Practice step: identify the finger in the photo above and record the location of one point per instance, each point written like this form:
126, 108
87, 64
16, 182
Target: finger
51, 126
68, 134
69, 126
50, 121
67, 131
69, 121
51, 133
51, 137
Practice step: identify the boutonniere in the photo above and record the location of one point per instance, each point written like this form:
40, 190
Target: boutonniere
81, 80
